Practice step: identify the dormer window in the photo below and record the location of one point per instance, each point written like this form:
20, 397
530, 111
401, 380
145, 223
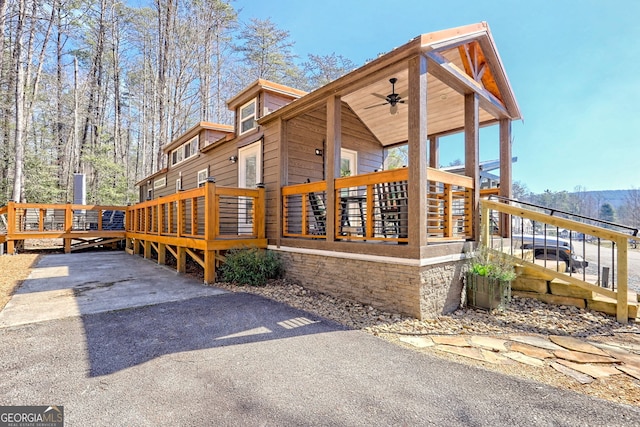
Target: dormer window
248, 116
185, 151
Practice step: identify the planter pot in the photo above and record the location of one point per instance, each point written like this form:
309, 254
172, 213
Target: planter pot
487, 293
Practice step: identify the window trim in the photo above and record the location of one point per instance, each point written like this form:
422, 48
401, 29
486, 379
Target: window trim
160, 183
200, 182
253, 116
185, 151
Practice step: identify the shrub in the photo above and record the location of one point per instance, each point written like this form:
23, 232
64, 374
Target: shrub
251, 266
494, 264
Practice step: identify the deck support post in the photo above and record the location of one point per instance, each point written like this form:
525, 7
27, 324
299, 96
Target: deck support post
67, 245
181, 260
209, 267
136, 247
162, 253
147, 249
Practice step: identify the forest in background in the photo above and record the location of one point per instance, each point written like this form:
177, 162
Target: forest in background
99, 86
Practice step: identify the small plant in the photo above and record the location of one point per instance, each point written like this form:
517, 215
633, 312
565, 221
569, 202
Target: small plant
493, 264
251, 266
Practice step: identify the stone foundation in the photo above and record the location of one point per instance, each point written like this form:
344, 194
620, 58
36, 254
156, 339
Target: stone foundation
421, 289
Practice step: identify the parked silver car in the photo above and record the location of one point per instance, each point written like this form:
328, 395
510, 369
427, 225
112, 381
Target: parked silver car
551, 248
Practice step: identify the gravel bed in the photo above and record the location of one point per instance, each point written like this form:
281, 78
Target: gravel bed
523, 316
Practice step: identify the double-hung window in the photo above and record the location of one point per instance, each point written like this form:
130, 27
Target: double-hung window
248, 116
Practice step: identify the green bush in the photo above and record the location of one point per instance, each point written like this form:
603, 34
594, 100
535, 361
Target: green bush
251, 266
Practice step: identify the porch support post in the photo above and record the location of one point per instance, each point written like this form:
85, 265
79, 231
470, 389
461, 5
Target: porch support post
505, 172
472, 156
283, 178
434, 152
417, 188
332, 159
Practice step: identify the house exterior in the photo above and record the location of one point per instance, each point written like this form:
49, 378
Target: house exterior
395, 239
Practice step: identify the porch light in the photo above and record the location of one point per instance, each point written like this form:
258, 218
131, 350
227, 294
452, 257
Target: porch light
233, 159
318, 152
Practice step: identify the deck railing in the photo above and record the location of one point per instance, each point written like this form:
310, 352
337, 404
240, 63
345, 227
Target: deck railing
205, 213
23, 221
375, 207
588, 256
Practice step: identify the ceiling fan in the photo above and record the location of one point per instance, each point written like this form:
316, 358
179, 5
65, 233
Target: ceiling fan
393, 99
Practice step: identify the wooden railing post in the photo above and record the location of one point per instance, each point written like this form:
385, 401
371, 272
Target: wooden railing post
68, 227
448, 210
11, 227
259, 212
210, 209
484, 228
622, 311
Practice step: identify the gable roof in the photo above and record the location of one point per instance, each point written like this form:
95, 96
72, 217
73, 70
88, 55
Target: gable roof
459, 61
259, 85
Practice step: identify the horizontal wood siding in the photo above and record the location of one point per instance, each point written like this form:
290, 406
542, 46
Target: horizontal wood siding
305, 133
357, 137
274, 101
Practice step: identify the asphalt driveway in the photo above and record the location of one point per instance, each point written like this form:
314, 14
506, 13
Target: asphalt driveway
206, 357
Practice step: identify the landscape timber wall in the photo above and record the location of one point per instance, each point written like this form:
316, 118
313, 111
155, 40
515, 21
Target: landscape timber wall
391, 284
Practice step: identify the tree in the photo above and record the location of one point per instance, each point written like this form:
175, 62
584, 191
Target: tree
520, 191
320, 70
267, 52
630, 210
607, 213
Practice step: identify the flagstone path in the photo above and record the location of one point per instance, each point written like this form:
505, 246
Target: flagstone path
579, 359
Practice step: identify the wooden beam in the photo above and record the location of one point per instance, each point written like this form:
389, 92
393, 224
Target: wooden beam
458, 80
472, 155
417, 132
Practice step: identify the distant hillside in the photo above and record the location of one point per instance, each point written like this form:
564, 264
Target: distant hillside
615, 198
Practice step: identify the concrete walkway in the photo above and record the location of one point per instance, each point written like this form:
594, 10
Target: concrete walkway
186, 354
67, 285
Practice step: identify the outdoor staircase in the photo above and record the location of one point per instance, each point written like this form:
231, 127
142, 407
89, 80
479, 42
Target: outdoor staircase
532, 283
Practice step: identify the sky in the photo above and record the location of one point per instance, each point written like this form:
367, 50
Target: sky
573, 66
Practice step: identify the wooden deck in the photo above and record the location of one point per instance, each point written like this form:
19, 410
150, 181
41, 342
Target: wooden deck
200, 223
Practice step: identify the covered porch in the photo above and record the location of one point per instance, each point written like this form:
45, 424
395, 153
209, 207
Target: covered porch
350, 222
439, 84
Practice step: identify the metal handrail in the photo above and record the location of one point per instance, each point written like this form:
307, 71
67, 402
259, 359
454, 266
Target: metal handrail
633, 230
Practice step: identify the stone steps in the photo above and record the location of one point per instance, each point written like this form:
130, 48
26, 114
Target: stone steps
534, 284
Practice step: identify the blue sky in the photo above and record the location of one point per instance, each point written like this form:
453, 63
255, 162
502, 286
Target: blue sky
573, 65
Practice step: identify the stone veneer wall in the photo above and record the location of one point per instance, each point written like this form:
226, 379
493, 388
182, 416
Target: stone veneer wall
418, 291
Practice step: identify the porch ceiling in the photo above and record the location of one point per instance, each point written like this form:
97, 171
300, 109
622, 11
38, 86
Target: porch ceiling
445, 106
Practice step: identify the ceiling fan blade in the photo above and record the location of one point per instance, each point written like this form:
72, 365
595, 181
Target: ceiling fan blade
375, 105
377, 95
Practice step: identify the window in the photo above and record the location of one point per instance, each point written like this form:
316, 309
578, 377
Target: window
159, 183
185, 151
149, 193
202, 176
248, 116
178, 184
